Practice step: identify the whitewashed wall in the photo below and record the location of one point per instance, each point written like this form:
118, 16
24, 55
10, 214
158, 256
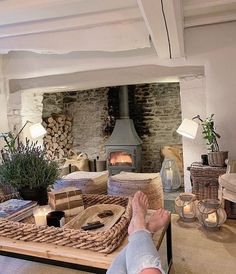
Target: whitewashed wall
215, 47
193, 102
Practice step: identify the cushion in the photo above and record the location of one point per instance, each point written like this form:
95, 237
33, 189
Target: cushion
88, 182
228, 181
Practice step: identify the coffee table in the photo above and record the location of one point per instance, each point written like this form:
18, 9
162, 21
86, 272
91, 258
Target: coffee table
84, 260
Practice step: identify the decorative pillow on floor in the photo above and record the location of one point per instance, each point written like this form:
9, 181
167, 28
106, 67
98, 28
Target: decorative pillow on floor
87, 182
127, 183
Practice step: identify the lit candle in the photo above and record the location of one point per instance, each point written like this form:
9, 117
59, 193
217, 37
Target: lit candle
40, 214
187, 209
169, 174
211, 218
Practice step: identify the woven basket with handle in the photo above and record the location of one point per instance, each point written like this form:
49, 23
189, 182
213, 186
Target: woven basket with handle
103, 241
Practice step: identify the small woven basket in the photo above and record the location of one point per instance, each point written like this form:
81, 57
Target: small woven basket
103, 241
217, 158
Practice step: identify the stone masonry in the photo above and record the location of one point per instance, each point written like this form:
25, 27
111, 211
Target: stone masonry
154, 108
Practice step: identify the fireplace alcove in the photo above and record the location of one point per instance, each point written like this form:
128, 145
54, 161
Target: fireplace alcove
154, 108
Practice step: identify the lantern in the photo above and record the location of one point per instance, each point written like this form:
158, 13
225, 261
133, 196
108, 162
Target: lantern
185, 206
211, 214
170, 175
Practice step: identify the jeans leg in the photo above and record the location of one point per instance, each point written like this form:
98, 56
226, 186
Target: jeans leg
118, 266
141, 253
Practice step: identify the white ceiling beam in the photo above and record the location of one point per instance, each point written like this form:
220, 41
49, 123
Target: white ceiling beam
197, 13
151, 11
175, 23
72, 22
197, 7
15, 11
111, 38
164, 21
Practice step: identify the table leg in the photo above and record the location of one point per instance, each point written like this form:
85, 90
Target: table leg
169, 246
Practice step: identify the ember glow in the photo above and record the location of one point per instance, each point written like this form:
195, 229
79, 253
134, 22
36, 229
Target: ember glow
120, 158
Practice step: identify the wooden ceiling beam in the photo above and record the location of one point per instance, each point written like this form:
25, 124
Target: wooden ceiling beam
164, 21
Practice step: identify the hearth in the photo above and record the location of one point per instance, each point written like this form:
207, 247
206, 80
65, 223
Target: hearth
123, 148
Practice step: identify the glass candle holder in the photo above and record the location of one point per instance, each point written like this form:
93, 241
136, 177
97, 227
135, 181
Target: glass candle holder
185, 206
210, 213
170, 175
40, 215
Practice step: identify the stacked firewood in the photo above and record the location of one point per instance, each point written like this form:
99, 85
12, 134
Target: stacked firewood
59, 139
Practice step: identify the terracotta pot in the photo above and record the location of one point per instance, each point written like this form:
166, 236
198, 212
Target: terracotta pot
35, 194
217, 158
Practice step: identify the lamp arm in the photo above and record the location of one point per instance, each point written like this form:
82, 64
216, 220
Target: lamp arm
17, 135
197, 117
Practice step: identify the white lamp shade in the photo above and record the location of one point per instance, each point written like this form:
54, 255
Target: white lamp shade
37, 130
188, 128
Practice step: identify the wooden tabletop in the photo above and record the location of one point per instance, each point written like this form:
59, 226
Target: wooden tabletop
68, 254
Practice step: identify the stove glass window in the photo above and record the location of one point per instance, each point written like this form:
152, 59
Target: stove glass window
120, 158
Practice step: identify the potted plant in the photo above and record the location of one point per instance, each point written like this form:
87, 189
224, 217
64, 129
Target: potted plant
28, 171
215, 156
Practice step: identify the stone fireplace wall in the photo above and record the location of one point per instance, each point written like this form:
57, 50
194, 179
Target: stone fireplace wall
156, 112
89, 110
154, 108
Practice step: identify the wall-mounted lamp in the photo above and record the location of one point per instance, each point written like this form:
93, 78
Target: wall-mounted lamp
188, 128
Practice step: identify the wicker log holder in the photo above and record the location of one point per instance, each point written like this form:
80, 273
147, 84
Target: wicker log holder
103, 241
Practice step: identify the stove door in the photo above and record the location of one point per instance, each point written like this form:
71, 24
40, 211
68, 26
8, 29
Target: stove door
120, 158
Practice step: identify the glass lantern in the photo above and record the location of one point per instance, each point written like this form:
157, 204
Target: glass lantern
211, 214
170, 175
185, 206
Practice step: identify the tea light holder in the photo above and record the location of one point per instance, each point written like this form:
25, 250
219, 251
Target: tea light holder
185, 206
56, 218
40, 215
210, 213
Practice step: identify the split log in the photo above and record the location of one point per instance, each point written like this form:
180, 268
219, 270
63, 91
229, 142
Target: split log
59, 139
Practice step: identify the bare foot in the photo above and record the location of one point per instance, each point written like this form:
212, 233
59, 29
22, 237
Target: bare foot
139, 211
158, 220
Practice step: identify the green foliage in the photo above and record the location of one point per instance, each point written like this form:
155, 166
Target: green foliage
209, 134
10, 141
27, 166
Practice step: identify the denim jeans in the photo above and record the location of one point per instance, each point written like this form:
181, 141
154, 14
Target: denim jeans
139, 254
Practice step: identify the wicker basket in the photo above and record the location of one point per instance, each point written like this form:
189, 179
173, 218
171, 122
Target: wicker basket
103, 241
217, 158
127, 183
199, 170
205, 188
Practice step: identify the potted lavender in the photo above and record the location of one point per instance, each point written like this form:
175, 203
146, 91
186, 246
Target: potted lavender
28, 171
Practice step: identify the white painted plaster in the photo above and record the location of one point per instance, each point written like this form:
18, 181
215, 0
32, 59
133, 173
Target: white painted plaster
213, 46
193, 102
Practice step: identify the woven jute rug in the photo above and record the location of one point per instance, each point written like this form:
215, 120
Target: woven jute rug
197, 250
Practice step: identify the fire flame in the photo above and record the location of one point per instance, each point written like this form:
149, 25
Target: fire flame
120, 158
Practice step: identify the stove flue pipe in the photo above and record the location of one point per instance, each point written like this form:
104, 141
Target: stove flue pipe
124, 102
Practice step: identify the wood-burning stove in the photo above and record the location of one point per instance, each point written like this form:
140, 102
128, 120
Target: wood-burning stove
124, 147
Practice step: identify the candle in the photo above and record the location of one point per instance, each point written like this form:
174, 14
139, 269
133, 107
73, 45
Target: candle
212, 218
40, 214
187, 209
169, 174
